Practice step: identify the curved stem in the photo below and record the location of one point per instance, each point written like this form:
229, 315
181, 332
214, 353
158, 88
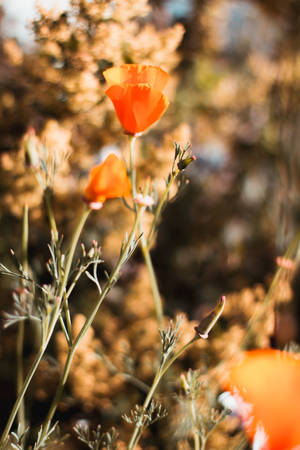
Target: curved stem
158, 376
28, 380
144, 244
153, 281
50, 328
138, 428
196, 436
20, 375
72, 349
203, 443
21, 325
160, 206
288, 254
73, 245
51, 217
178, 353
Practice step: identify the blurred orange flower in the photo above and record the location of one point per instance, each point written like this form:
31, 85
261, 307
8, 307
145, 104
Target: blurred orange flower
266, 387
108, 180
136, 93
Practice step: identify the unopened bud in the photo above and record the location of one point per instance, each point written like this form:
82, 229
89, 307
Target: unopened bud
93, 205
144, 200
30, 144
209, 321
183, 163
285, 263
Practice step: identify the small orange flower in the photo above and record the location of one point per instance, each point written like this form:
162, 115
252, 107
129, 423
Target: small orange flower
136, 93
266, 386
108, 180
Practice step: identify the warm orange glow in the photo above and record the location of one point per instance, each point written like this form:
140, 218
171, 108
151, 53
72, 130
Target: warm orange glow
154, 76
267, 386
108, 180
136, 93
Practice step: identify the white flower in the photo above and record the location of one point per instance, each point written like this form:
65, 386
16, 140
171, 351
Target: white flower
260, 440
144, 200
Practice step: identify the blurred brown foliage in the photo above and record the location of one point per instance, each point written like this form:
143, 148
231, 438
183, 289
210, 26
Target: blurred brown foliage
234, 91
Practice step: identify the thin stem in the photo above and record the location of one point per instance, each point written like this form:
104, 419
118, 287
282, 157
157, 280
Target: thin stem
72, 349
21, 325
203, 442
196, 436
68, 316
144, 245
288, 254
49, 209
113, 370
53, 226
28, 380
160, 206
153, 281
65, 331
138, 427
179, 353
73, 246
132, 171
165, 365
50, 328
20, 375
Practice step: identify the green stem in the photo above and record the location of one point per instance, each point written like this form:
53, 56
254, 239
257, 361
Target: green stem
144, 245
49, 209
20, 375
55, 316
73, 246
132, 171
21, 325
138, 428
160, 206
179, 353
196, 436
72, 349
288, 254
153, 281
203, 443
158, 376
53, 226
28, 379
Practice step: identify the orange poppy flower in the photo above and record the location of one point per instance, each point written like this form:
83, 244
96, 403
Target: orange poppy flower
137, 73
266, 386
108, 180
136, 93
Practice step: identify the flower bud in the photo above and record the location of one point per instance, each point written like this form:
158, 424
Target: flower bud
144, 200
206, 324
183, 163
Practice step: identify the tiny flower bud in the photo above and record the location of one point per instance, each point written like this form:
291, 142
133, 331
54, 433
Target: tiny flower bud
209, 321
144, 200
95, 205
30, 144
183, 163
285, 263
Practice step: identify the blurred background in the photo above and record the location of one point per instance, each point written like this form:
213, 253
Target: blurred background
234, 96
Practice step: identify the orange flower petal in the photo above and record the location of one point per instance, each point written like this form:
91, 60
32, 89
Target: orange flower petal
268, 382
135, 74
137, 106
108, 180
